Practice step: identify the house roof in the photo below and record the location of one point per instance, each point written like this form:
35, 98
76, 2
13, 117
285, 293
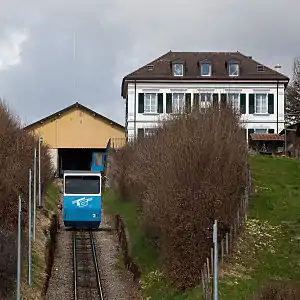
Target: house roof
75, 105
161, 68
266, 137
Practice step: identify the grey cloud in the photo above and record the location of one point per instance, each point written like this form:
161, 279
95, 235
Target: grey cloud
114, 37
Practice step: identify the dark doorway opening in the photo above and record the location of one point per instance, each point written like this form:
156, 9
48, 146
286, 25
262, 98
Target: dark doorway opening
75, 159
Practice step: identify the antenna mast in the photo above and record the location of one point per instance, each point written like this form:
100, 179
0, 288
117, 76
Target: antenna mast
74, 66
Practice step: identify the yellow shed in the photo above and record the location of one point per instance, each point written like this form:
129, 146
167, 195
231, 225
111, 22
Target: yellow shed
73, 133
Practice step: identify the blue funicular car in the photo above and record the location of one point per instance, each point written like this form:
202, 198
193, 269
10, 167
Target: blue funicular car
82, 199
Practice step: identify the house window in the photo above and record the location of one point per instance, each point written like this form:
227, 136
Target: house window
233, 69
178, 102
205, 97
205, 69
149, 131
261, 104
261, 131
178, 69
150, 103
234, 99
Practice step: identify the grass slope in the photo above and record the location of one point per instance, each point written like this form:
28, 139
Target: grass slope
268, 249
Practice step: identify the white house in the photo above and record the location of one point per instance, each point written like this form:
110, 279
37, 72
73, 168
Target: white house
189, 79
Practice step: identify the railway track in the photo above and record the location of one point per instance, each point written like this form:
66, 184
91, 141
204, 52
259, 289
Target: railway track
87, 280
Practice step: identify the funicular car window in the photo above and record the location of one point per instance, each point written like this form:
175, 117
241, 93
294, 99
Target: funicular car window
82, 185
98, 159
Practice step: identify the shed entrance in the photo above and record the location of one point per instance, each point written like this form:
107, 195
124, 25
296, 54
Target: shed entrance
75, 159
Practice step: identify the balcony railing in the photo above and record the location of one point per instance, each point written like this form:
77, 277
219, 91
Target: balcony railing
116, 143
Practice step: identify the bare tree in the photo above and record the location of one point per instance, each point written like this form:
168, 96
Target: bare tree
292, 108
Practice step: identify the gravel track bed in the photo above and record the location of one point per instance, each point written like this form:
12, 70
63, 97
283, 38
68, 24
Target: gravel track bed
116, 281
61, 281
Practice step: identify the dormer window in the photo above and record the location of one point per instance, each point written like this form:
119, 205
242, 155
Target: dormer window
233, 69
150, 67
260, 68
178, 69
205, 68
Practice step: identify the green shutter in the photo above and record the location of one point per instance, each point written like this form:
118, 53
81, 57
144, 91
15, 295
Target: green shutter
141, 103
188, 103
271, 103
245, 133
223, 100
251, 104
242, 103
215, 99
140, 132
169, 103
160, 103
250, 131
196, 101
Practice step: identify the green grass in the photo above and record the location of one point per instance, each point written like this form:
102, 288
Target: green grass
268, 249
38, 251
141, 249
52, 197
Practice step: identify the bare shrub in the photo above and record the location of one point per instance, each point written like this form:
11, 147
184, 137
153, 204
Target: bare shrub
192, 171
119, 172
16, 158
279, 291
8, 261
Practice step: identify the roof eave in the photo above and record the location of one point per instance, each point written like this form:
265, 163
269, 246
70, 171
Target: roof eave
223, 79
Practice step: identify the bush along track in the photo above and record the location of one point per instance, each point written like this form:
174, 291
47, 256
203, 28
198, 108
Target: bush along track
170, 186
16, 158
264, 263
43, 249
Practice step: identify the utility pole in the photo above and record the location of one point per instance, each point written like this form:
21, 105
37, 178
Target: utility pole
29, 228
215, 241
19, 251
40, 184
34, 194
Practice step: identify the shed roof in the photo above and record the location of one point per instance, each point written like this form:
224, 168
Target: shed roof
75, 105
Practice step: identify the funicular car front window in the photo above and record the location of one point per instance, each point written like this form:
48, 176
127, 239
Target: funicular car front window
82, 185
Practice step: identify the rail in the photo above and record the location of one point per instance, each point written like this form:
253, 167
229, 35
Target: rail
87, 279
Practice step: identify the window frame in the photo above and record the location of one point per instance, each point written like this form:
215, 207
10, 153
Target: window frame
230, 64
256, 130
255, 104
182, 69
201, 68
208, 95
97, 157
150, 106
178, 109
81, 177
238, 107
149, 131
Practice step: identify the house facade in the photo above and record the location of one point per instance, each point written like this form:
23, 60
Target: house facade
186, 80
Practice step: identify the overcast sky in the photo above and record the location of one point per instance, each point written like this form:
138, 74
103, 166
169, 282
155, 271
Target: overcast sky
115, 37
